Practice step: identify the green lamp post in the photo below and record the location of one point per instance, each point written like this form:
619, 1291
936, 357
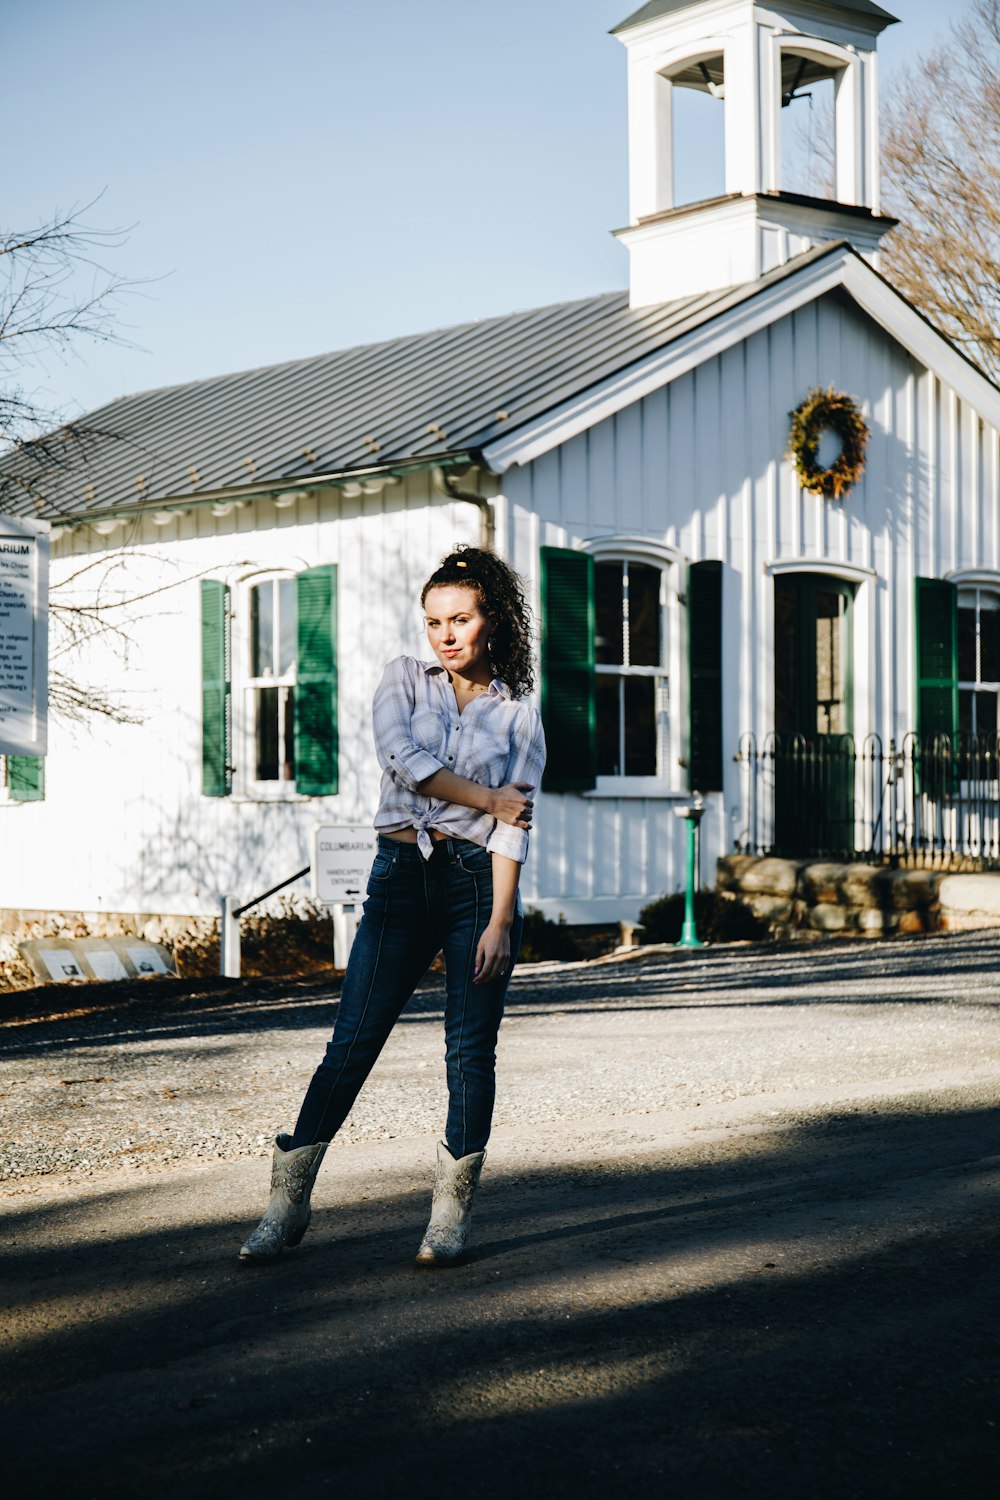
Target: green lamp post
692, 812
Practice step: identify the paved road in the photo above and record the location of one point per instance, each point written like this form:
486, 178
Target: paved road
738, 1236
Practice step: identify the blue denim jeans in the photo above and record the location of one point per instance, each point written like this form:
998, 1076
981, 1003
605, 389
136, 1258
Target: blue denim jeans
415, 908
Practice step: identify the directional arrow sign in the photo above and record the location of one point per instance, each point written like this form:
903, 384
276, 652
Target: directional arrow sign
342, 859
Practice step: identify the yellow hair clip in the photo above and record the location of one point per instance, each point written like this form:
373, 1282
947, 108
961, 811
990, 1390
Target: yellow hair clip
461, 564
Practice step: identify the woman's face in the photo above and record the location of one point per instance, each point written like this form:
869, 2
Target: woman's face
458, 631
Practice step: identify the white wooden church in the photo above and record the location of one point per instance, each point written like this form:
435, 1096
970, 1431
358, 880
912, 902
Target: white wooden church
265, 535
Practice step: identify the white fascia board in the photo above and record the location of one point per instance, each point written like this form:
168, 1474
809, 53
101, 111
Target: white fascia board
610, 396
885, 306
648, 36
845, 268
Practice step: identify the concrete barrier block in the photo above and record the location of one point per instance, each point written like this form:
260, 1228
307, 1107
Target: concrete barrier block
970, 897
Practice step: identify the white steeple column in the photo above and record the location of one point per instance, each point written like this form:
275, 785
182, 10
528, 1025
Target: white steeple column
744, 115
650, 135
757, 60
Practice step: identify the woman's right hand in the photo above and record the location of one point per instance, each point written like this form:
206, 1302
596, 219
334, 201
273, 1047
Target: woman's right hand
512, 804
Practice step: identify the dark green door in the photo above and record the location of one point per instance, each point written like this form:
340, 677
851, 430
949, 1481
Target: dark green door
814, 718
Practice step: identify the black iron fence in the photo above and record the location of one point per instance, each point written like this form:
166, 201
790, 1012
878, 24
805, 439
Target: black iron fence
925, 801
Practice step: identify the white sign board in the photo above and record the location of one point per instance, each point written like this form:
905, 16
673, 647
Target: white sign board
342, 860
61, 963
24, 635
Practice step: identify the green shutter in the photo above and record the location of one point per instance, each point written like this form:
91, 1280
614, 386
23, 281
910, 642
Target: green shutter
26, 778
216, 691
705, 676
937, 657
568, 706
316, 759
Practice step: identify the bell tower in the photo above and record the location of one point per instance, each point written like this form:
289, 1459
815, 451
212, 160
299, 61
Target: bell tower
756, 60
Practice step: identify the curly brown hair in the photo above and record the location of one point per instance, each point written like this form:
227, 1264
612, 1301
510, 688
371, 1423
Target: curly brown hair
501, 598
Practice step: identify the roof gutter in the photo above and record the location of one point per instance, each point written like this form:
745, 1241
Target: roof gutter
442, 481
233, 494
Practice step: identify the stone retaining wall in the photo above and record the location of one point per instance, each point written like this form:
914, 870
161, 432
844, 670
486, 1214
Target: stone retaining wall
812, 898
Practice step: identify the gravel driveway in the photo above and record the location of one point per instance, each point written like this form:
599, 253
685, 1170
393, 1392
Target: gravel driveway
178, 1076
738, 1235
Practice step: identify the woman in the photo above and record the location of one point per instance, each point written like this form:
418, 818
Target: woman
461, 752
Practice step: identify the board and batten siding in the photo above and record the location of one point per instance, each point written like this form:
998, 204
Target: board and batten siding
124, 826
697, 466
700, 466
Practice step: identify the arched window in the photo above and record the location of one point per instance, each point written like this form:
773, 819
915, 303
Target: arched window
630, 654
697, 93
269, 685
808, 125
631, 690
270, 680
978, 660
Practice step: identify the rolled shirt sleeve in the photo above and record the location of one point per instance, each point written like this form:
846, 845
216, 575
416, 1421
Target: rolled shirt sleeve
526, 764
392, 712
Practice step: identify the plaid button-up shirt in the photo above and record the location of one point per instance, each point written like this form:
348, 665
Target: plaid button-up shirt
496, 740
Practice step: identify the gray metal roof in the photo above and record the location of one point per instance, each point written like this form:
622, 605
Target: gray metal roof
423, 397
664, 7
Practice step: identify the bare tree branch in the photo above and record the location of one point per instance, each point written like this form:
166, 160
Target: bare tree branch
81, 615
941, 161
55, 291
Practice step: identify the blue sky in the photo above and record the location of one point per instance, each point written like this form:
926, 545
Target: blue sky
319, 173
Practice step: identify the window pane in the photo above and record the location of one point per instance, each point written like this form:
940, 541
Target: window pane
786, 657
965, 698
610, 611
288, 763
831, 687
286, 625
967, 644
266, 733
986, 714
608, 725
262, 630
643, 615
989, 638
640, 726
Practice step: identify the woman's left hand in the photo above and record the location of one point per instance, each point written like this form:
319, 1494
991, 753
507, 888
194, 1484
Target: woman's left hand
493, 953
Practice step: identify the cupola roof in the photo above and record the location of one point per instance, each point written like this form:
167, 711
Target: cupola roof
655, 8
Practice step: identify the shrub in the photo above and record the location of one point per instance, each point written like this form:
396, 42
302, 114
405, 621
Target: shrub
543, 939
719, 918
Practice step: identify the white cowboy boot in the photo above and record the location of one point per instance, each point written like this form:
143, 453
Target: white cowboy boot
288, 1212
451, 1208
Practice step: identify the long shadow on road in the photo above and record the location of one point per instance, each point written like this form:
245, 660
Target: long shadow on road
810, 1314
907, 971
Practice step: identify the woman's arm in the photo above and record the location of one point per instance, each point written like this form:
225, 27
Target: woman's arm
524, 768
493, 952
505, 803
416, 768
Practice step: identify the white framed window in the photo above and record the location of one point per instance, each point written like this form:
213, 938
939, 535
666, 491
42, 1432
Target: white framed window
632, 687
636, 667
269, 710
269, 645
978, 660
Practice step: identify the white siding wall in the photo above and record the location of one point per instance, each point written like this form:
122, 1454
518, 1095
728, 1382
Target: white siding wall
700, 465
124, 826
697, 466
